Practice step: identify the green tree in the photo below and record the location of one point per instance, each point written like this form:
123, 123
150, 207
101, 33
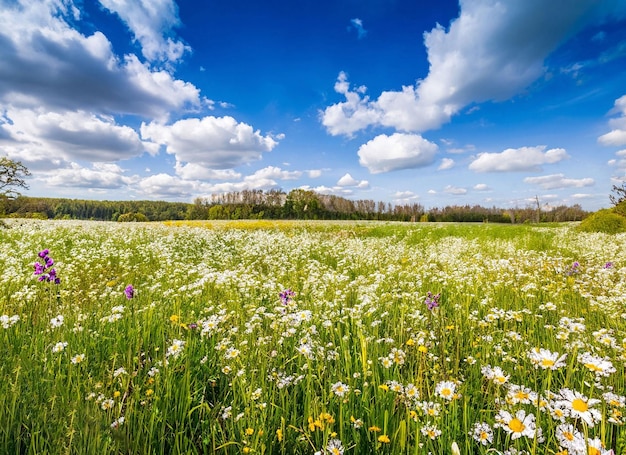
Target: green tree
12, 176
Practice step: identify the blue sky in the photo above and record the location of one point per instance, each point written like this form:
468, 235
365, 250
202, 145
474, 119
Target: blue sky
439, 103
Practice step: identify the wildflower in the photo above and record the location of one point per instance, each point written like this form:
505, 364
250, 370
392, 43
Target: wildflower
249, 431
518, 425
175, 349
129, 291
356, 423
455, 448
445, 389
570, 438
520, 394
78, 358
482, 433
374, 429
334, 447
384, 439
8, 321
107, 404
386, 362
56, 321
59, 347
431, 431
117, 423
579, 406
279, 434
120, 371
494, 374
598, 365
286, 296
340, 389
430, 408
398, 356
44, 271
432, 300
542, 358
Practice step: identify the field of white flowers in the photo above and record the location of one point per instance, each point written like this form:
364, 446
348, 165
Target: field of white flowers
311, 338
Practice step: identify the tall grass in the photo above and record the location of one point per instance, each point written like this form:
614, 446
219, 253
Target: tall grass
522, 349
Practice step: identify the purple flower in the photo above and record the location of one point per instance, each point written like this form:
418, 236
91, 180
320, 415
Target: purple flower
129, 291
286, 296
432, 300
608, 265
40, 269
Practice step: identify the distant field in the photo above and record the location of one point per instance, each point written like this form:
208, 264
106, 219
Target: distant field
277, 337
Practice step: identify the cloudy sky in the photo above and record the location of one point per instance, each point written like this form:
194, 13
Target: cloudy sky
489, 102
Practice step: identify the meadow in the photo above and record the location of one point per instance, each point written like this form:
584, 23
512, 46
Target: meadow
311, 338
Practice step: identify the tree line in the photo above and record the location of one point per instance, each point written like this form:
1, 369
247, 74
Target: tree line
274, 204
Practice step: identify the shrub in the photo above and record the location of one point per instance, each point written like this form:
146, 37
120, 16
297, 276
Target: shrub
604, 220
132, 216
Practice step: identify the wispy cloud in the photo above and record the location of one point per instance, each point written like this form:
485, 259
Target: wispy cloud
358, 25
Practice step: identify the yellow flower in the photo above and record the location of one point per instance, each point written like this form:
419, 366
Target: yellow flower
174, 318
149, 392
279, 434
116, 394
410, 342
249, 431
247, 450
384, 387
423, 349
384, 439
374, 428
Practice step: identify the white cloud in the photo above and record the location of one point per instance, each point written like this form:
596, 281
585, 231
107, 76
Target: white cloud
352, 115
398, 151
347, 180
273, 172
151, 21
446, 163
451, 189
520, 159
558, 181
617, 136
49, 65
358, 25
314, 173
492, 51
481, 187
165, 186
48, 137
212, 142
193, 171
100, 176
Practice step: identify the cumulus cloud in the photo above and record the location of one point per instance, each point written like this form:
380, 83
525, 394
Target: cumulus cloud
520, 159
558, 181
48, 64
446, 163
151, 21
347, 180
492, 51
99, 176
451, 189
398, 151
212, 142
481, 187
193, 171
49, 137
617, 136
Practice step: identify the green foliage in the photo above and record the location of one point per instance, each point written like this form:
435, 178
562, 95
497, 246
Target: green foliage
132, 217
606, 221
12, 176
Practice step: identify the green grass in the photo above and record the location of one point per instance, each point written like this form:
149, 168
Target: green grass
206, 358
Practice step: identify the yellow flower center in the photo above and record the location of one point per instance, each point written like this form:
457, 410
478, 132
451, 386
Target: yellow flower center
484, 436
546, 363
593, 367
446, 392
593, 451
521, 395
580, 405
516, 425
569, 436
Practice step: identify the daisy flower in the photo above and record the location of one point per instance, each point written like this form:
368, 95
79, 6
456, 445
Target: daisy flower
495, 374
570, 438
547, 360
334, 447
175, 349
579, 406
482, 433
518, 425
340, 389
446, 390
597, 365
431, 431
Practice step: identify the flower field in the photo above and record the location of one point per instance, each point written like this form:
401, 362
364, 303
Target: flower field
311, 338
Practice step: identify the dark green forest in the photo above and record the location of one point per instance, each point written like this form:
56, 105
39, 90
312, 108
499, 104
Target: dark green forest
275, 204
